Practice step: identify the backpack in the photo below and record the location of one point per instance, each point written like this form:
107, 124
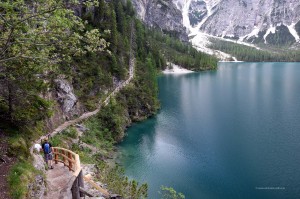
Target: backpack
47, 148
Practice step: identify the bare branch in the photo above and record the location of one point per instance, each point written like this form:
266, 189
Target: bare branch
7, 59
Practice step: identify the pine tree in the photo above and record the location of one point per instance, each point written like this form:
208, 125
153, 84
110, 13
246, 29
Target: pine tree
114, 32
121, 20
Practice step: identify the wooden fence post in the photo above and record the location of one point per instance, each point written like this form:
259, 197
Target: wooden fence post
64, 159
55, 156
70, 162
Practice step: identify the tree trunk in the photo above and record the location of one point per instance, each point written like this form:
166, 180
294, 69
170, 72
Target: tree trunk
10, 101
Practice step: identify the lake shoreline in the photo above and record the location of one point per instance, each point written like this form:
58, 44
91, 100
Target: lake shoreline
184, 143
175, 69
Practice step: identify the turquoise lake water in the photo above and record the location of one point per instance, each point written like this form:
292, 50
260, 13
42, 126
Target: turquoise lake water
233, 133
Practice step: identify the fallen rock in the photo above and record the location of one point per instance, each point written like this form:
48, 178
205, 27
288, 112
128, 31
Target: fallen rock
81, 128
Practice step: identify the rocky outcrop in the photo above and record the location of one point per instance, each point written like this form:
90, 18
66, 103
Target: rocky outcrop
65, 95
66, 105
162, 14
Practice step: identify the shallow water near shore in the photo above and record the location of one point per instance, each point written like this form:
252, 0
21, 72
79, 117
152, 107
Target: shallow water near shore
233, 133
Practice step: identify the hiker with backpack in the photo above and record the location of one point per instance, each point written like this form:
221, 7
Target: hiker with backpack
47, 148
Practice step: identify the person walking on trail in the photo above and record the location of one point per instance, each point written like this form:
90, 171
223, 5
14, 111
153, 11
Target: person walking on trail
47, 148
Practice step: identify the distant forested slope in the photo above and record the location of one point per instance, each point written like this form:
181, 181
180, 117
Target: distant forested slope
252, 54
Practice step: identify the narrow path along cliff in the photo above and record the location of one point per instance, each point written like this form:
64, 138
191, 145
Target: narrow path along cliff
104, 103
59, 177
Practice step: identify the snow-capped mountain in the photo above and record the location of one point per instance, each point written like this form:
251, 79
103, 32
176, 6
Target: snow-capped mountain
268, 21
252, 21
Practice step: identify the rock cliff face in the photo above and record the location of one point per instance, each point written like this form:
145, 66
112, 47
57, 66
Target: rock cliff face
66, 105
65, 95
254, 21
248, 20
162, 14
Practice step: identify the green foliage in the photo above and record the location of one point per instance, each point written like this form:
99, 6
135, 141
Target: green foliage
119, 183
282, 36
18, 147
247, 53
59, 140
120, 17
84, 154
297, 27
140, 97
167, 48
37, 44
170, 193
21, 174
63, 138
129, 8
43, 39
35, 39
96, 136
112, 120
112, 175
70, 132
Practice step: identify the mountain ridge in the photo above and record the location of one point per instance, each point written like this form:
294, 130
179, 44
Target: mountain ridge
268, 22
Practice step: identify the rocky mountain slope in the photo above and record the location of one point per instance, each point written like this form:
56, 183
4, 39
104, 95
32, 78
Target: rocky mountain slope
253, 21
162, 14
267, 21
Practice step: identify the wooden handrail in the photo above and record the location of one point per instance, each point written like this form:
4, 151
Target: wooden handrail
68, 158
103, 191
72, 161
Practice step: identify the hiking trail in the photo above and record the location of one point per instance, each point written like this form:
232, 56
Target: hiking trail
60, 176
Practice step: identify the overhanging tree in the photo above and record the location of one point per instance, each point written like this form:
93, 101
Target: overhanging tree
35, 38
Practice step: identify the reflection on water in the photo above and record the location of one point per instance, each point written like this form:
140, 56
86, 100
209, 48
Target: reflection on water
231, 133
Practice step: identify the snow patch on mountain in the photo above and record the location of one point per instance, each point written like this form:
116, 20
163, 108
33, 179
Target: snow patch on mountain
185, 15
293, 31
254, 33
243, 19
210, 5
270, 30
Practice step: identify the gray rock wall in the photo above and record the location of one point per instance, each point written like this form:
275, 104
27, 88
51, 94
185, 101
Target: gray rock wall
66, 104
239, 18
162, 14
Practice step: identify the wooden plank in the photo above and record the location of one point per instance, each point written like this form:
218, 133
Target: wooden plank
77, 164
64, 150
103, 191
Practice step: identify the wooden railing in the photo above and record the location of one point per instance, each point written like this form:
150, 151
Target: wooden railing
76, 183
72, 161
68, 158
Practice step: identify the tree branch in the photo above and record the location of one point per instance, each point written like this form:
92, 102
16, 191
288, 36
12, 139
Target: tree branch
36, 15
7, 59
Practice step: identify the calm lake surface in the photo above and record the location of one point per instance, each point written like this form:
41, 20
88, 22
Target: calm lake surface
233, 133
